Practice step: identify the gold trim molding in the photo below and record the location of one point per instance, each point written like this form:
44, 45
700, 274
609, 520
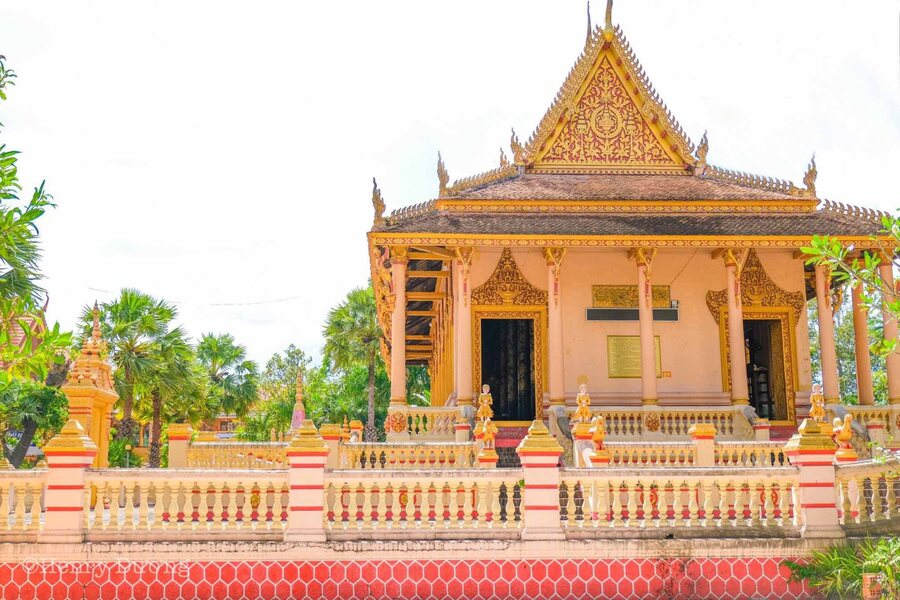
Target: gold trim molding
508, 287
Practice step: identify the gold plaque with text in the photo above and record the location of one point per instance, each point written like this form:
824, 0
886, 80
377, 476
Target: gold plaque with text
623, 356
626, 296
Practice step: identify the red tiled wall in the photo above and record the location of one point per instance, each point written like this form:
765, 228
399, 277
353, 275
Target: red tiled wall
713, 578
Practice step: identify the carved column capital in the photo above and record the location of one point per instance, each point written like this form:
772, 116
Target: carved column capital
399, 254
642, 256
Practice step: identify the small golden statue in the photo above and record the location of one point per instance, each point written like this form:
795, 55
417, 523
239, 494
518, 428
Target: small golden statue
598, 432
843, 433
817, 402
582, 413
485, 401
489, 434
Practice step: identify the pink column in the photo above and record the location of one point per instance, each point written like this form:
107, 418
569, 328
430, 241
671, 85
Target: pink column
556, 373
827, 348
643, 257
864, 386
737, 358
462, 329
890, 333
398, 326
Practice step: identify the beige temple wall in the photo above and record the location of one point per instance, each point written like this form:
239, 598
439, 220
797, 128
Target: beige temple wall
690, 348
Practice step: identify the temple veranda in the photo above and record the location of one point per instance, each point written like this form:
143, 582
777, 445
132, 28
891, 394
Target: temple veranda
622, 398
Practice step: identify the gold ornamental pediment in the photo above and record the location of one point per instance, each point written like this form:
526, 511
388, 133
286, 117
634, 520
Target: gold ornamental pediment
757, 289
507, 286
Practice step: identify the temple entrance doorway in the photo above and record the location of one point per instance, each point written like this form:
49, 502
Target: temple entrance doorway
765, 368
507, 365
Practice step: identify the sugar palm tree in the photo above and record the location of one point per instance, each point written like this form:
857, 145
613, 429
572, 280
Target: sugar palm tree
352, 336
133, 326
233, 379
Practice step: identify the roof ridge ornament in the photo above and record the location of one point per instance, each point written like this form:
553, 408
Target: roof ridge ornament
378, 204
443, 178
608, 32
518, 150
809, 178
702, 151
504, 162
587, 39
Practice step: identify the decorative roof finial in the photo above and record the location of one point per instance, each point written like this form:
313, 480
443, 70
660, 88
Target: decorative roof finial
702, 151
809, 179
377, 204
517, 149
504, 162
587, 40
443, 178
608, 27
95, 330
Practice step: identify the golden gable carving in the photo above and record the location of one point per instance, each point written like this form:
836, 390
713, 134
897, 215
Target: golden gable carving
606, 128
508, 287
757, 289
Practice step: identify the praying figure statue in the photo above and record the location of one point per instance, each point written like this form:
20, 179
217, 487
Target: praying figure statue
598, 432
583, 406
489, 434
817, 402
485, 401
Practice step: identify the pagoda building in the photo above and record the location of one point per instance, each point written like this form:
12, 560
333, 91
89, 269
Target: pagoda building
608, 252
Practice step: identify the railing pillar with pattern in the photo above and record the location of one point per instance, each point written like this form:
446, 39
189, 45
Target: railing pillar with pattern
179, 435
812, 452
703, 435
68, 454
539, 454
331, 435
307, 455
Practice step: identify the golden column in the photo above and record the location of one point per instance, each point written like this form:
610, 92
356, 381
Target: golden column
399, 260
90, 391
827, 348
644, 258
557, 383
740, 393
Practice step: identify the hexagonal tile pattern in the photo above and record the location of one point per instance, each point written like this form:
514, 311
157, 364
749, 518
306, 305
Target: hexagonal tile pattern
496, 579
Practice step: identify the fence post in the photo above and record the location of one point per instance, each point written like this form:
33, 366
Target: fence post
461, 429
179, 435
761, 430
539, 453
703, 436
331, 434
68, 454
307, 454
583, 445
812, 452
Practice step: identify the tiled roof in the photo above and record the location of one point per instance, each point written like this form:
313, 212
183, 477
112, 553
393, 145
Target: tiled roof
604, 186
821, 222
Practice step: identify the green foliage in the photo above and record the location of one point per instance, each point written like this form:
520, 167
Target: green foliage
32, 411
277, 391
233, 379
837, 572
120, 456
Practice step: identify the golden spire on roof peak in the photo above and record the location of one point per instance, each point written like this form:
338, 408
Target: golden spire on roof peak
95, 328
443, 178
608, 26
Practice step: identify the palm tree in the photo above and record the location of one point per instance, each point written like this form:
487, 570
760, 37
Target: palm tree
173, 377
133, 326
233, 379
352, 336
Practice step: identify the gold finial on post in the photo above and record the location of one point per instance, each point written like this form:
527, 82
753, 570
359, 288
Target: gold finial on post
443, 178
377, 204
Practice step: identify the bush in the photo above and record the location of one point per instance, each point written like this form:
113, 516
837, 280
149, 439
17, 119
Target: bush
837, 572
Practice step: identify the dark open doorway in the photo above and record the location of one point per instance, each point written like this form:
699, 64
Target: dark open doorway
765, 368
507, 365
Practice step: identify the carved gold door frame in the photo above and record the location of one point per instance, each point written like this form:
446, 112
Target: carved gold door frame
788, 350
538, 317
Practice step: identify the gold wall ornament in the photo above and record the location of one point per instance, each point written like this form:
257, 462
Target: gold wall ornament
626, 296
757, 289
652, 422
378, 204
443, 178
507, 286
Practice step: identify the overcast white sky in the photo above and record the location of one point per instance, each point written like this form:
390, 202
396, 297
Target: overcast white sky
220, 154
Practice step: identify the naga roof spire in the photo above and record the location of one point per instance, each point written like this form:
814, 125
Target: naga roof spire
608, 26
587, 39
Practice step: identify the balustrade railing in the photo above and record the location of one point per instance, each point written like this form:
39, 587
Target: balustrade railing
237, 455
750, 454
407, 455
868, 492
672, 422
423, 504
639, 454
431, 423
21, 498
188, 503
696, 501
